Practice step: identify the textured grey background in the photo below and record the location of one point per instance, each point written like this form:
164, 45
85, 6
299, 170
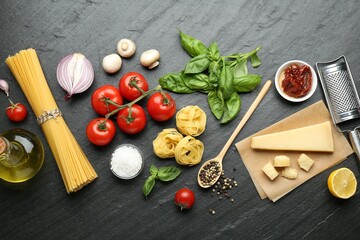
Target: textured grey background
113, 209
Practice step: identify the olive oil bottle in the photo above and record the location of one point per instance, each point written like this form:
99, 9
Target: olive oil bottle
21, 155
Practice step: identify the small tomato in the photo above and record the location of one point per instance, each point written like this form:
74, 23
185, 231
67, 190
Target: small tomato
131, 120
100, 131
132, 84
106, 92
161, 106
16, 112
185, 198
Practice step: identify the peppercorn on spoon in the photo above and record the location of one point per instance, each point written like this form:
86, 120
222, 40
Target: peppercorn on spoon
211, 170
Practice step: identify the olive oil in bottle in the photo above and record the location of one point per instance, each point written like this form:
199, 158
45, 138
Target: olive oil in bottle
21, 155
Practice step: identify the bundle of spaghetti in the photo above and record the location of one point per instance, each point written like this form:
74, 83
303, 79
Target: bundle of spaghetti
75, 169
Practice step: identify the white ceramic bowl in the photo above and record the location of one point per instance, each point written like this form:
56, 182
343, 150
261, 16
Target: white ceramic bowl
278, 81
122, 160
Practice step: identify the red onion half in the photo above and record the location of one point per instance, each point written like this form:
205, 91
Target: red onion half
75, 74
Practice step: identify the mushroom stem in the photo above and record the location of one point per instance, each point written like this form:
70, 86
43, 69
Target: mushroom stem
124, 45
154, 65
150, 58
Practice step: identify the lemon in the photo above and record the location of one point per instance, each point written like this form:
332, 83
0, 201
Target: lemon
342, 183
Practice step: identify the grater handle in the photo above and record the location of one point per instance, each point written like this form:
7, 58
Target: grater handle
355, 142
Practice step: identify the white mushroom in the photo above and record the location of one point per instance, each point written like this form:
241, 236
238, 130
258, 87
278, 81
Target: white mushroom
150, 58
112, 63
126, 48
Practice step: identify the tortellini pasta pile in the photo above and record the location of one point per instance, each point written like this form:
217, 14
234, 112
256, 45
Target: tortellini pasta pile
187, 150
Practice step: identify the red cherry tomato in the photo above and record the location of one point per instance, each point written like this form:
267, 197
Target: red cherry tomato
131, 123
100, 131
16, 112
185, 198
161, 106
129, 84
105, 92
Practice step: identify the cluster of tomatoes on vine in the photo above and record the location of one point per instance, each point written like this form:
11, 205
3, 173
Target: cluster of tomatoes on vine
108, 101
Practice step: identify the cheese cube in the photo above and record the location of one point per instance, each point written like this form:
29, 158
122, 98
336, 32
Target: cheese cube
281, 161
305, 162
270, 171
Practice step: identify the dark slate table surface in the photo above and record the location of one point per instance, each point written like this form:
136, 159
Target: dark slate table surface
110, 208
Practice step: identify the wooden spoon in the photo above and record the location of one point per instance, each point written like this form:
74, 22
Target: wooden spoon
211, 169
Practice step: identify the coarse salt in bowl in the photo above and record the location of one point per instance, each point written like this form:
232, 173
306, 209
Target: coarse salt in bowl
279, 75
126, 161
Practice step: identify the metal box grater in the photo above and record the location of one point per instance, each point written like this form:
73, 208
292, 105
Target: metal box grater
341, 96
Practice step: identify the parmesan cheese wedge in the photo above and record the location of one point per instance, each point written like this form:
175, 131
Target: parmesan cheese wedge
314, 138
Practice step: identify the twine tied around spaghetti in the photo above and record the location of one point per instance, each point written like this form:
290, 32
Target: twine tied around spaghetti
47, 115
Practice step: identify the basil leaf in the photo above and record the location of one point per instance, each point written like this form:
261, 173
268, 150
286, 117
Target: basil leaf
199, 82
168, 173
240, 69
226, 82
255, 61
246, 83
214, 67
214, 73
197, 64
213, 80
148, 185
192, 46
174, 82
232, 108
216, 104
213, 52
153, 170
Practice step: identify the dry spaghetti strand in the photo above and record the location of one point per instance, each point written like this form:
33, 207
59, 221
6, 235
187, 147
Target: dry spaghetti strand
76, 171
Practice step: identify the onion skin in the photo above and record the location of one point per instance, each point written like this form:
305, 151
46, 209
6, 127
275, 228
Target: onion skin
75, 74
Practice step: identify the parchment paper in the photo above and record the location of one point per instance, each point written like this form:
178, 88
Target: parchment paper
254, 160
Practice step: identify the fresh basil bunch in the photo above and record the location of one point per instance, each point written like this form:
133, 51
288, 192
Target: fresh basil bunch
220, 77
164, 174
